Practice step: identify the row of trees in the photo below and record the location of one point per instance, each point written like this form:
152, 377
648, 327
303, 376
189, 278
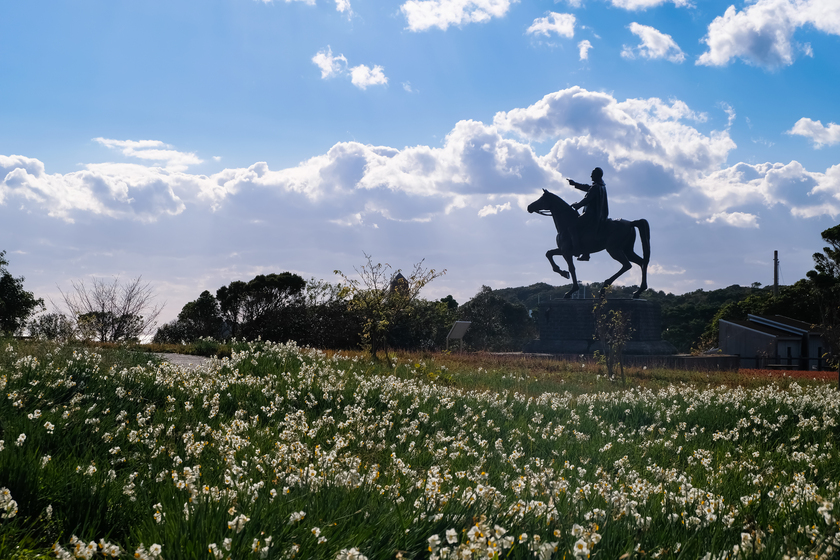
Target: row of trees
378, 308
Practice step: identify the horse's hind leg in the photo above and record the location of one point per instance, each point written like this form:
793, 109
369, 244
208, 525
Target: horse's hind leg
618, 255
633, 257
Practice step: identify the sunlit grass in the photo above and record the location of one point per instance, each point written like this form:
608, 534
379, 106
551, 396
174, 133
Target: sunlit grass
281, 452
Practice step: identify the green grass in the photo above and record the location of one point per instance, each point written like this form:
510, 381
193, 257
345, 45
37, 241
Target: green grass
323, 453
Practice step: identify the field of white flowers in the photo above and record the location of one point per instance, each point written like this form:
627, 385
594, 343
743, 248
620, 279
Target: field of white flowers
283, 452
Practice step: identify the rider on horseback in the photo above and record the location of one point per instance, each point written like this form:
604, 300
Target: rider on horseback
595, 212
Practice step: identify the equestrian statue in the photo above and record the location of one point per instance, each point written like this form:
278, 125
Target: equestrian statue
593, 231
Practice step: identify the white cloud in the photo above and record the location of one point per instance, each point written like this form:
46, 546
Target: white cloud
425, 14
650, 150
762, 34
656, 268
407, 87
152, 150
343, 6
735, 219
561, 24
584, 47
730, 113
645, 4
330, 65
362, 76
655, 44
491, 209
820, 135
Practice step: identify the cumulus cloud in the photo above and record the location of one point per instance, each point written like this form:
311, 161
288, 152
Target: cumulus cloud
115, 190
584, 47
425, 14
491, 209
152, 150
655, 44
362, 76
656, 268
762, 34
645, 4
330, 65
560, 24
820, 135
650, 150
736, 219
343, 6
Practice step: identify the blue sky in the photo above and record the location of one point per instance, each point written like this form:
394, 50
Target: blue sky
197, 143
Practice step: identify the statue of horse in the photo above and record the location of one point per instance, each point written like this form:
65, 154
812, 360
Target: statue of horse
616, 236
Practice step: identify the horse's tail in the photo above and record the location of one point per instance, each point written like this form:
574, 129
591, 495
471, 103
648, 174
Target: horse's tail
644, 233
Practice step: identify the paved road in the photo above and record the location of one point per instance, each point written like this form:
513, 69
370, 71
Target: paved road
184, 359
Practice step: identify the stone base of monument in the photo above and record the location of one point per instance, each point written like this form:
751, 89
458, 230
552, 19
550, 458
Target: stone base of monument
567, 326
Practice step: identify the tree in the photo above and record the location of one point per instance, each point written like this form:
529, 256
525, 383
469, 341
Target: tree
52, 326
262, 306
197, 319
112, 311
326, 320
380, 297
826, 282
423, 326
497, 324
16, 304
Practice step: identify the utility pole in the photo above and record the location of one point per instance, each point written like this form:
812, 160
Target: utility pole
775, 274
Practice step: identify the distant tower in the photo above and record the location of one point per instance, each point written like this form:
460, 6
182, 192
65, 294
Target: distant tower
400, 285
775, 274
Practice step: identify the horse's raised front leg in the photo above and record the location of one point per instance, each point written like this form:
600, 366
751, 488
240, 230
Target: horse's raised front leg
550, 256
575, 287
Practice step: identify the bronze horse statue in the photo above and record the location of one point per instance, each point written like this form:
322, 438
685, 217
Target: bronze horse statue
616, 236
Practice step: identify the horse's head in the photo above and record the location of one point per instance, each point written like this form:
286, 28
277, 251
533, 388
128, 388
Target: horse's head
542, 205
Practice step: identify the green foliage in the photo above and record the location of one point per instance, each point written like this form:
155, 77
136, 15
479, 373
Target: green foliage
826, 281
381, 298
262, 305
52, 326
198, 319
422, 326
16, 304
497, 324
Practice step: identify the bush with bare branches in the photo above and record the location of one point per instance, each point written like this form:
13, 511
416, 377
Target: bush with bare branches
112, 311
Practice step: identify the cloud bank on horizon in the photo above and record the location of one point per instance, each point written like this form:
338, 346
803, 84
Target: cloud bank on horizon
637, 139
718, 189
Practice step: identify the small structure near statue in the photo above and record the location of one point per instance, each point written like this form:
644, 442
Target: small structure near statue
567, 326
774, 342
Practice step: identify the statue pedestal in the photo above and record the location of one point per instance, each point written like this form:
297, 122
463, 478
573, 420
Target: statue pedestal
567, 326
